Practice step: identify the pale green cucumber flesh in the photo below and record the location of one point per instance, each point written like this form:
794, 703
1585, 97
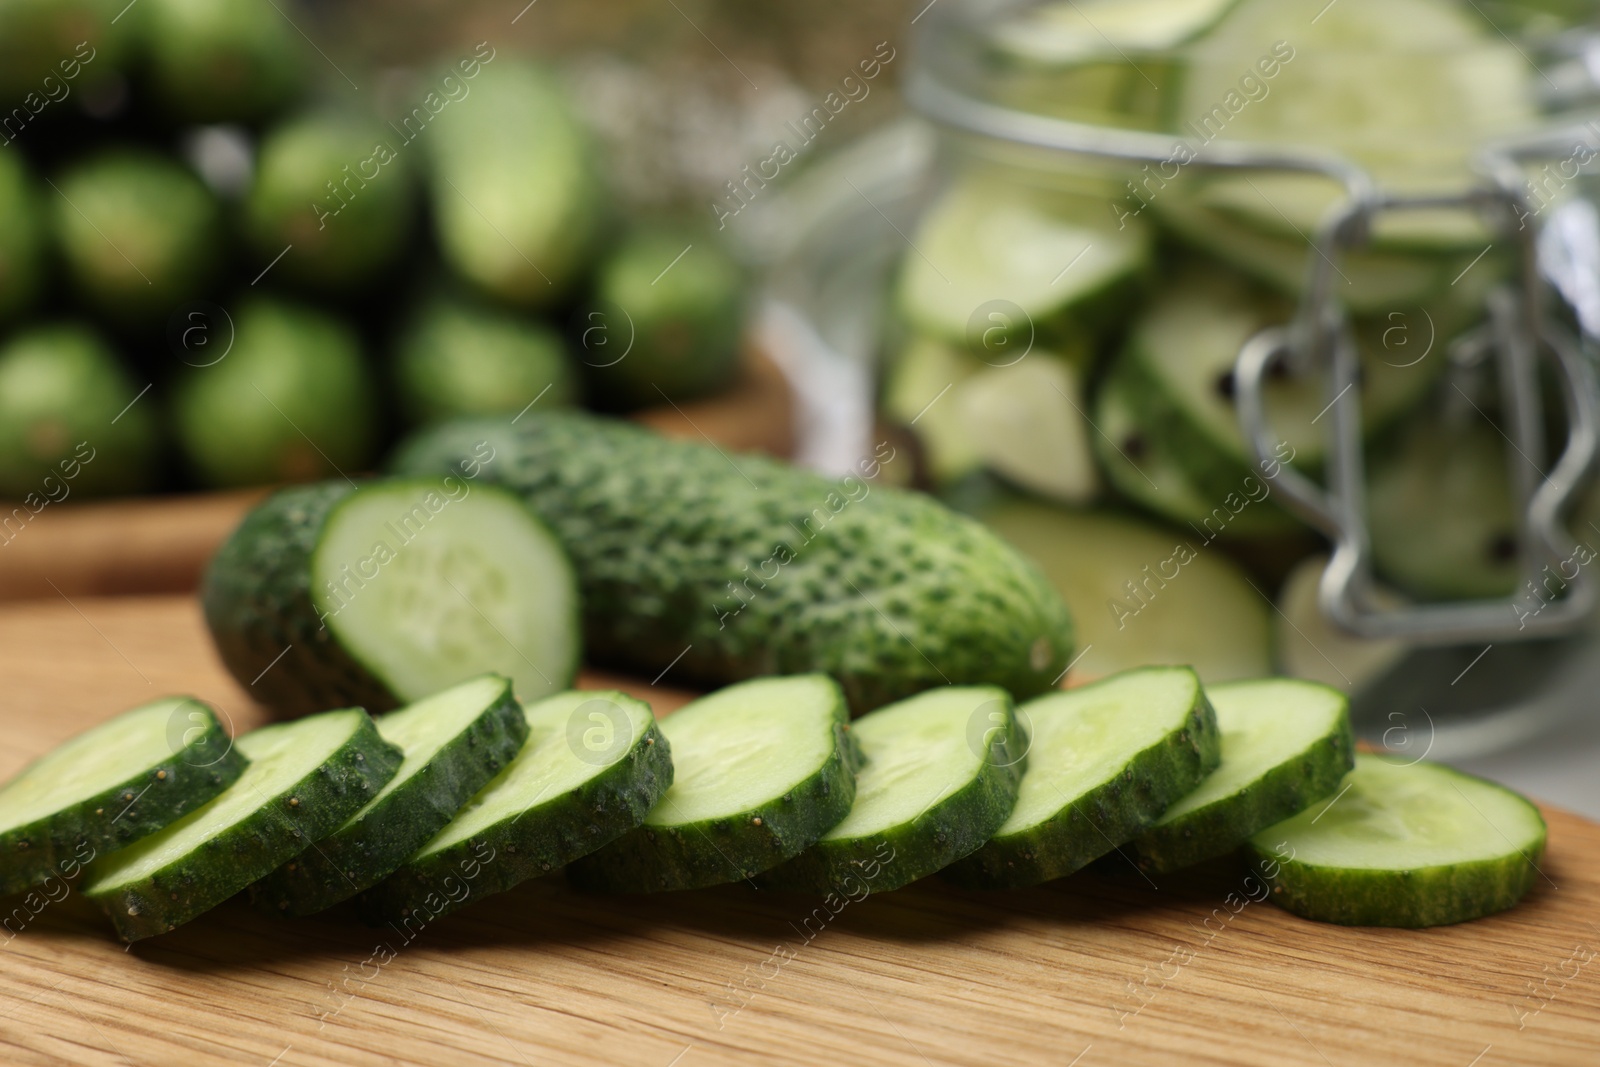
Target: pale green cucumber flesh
1106, 759
1285, 744
940, 774
1306, 644
594, 763
1407, 844
453, 742
1072, 32
761, 770
303, 780
110, 786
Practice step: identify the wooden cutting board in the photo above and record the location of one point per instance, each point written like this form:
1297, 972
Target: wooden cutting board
1101, 969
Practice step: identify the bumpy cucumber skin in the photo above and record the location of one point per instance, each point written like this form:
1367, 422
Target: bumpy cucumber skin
1104, 818
951, 829
257, 599
117, 817
1225, 824
359, 856
675, 549
1427, 896
713, 852
225, 864
561, 831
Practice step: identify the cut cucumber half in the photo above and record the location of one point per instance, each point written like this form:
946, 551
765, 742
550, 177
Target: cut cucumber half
1407, 844
1308, 645
304, 779
454, 742
1060, 34
1026, 423
998, 265
940, 774
593, 765
761, 770
1106, 759
110, 786
385, 593
1285, 744
1141, 593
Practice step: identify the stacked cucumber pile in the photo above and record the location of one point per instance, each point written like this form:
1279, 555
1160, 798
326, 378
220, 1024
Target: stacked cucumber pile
467, 793
223, 264
1065, 330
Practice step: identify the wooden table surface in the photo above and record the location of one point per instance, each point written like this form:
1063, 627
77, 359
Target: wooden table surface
1101, 969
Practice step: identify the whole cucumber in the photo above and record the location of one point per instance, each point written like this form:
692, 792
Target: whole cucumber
727, 567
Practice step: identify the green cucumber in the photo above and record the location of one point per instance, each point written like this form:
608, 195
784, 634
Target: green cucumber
1308, 645
593, 765
666, 320
454, 742
222, 60
303, 780
386, 593
291, 400
1105, 760
996, 264
22, 236
330, 185
1075, 31
1285, 744
723, 568
517, 199
110, 786
939, 776
457, 357
1141, 593
915, 395
1406, 844
761, 770
137, 231
1026, 422
72, 421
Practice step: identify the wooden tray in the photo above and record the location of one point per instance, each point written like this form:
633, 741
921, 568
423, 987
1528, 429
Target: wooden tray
1096, 970
161, 544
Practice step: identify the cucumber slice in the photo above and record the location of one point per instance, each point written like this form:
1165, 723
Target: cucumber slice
940, 774
593, 765
1142, 594
761, 770
1309, 646
1285, 744
1407, 844
1106, 759
454, 742
997, 264
1079, 30
304, 778
386, 593
110, 786
916, 390
1026, 423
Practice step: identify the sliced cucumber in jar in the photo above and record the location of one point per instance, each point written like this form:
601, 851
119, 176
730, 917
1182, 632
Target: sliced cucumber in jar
453, 742
1285, 744
303, 780
761, 770
110, 786
1072, 32
1310, 646
1407, 844
916, 394
593, 764
1026, 423
388, 592
940, 774
1104, 761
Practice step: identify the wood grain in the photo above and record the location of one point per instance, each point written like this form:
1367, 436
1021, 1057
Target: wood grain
1101, 969
162, 544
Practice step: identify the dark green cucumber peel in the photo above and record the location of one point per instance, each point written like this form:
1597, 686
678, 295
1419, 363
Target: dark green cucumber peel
1225, 821
192, 759
380, 837
260, 821
1407, 845
758, 568
1104, 813
552, 806
672, 850
968, 798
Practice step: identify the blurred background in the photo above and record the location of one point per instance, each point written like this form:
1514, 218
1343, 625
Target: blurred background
252, 242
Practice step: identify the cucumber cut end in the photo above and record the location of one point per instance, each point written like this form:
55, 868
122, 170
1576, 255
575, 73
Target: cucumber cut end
428, 583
